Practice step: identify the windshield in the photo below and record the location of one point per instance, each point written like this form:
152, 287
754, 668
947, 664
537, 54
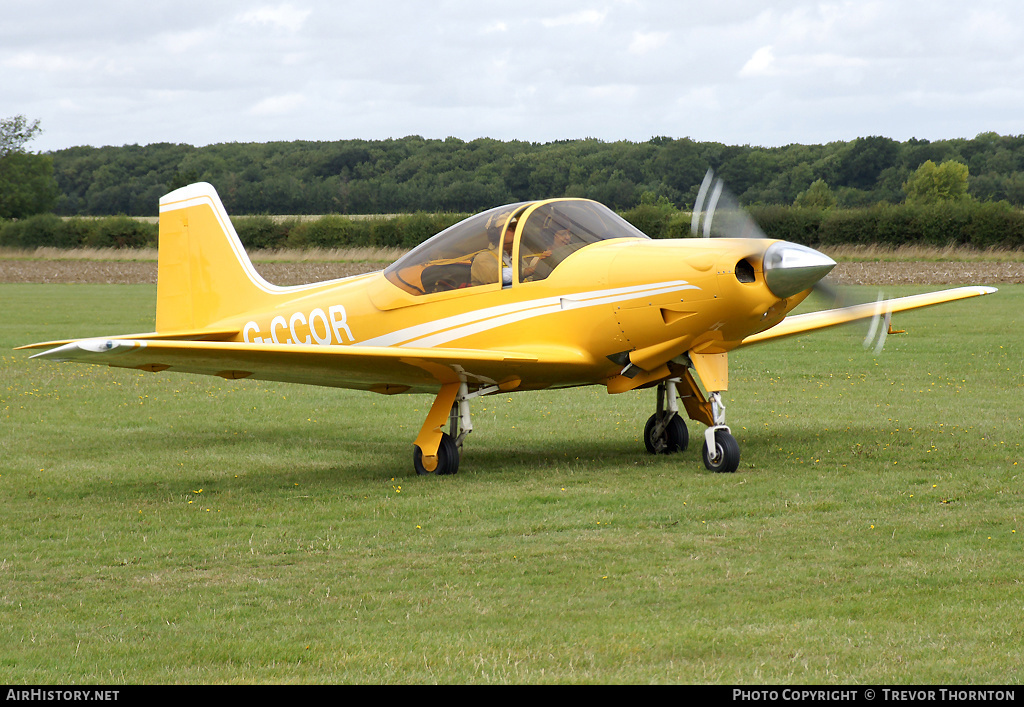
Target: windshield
557, 229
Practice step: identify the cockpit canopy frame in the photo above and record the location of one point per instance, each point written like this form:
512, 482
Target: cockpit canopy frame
544, 234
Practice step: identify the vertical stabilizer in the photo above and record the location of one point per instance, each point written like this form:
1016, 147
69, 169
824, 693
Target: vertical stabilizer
203, 272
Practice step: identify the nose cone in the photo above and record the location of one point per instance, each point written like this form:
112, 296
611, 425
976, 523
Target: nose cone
790, 268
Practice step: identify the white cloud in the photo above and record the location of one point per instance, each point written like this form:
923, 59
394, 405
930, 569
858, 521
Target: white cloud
496, 27
47, 63
284, 17
584, 17
765, 63
278, 105
762, 63
184, 41
645, 42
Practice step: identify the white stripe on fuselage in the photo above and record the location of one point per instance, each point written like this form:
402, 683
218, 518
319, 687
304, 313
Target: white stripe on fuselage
449, 329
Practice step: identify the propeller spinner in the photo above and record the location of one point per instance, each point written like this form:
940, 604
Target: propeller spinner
789, 268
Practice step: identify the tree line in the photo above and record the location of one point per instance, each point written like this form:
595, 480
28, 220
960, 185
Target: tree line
872, 189
415, 174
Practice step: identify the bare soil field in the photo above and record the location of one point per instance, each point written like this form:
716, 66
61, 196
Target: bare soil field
295, 273
928, 273
130, 272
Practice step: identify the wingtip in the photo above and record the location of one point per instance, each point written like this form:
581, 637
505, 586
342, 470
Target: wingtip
55, 354
73, 350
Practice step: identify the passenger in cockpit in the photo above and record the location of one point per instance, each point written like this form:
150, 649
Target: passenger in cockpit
550, 257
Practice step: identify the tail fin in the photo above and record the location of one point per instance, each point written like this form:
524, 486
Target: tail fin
203, 272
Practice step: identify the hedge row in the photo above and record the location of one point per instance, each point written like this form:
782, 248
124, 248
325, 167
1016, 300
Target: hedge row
404, 231
255, 232
973, 224
979, 225
47, 230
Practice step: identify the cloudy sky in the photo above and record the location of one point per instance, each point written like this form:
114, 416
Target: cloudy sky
114, 72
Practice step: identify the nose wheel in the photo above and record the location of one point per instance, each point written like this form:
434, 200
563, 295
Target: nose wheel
721, 453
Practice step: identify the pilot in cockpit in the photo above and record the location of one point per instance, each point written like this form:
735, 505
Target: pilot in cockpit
485, 264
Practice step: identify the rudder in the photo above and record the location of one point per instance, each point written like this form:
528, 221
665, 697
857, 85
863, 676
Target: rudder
203, 273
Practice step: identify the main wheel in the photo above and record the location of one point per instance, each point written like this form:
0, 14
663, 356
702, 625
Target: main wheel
727, 453
447, 458
674, 438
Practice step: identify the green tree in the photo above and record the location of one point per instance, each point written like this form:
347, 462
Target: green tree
818, 196
15, 133
862, 162
27, 185
931, 184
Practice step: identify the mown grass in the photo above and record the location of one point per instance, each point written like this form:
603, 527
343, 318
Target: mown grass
175, 529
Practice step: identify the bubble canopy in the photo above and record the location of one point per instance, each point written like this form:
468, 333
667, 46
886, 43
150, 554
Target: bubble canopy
473, 252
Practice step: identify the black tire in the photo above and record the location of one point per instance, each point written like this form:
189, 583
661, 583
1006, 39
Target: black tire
675, 438
727, 454
447, 458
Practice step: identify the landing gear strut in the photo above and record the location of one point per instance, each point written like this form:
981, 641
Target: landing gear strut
436, 451
666, 432
452, 401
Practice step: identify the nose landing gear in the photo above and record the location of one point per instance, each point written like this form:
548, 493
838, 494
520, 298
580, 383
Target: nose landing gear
721, 451
666, 431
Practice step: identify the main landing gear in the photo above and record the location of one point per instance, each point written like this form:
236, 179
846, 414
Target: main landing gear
448, 454
438, 452
666, 431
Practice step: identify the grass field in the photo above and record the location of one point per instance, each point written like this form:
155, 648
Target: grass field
160, 528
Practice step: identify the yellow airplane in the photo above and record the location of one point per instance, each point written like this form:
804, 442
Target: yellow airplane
528, 296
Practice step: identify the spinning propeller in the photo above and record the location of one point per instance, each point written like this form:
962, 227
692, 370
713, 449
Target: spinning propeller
787, 266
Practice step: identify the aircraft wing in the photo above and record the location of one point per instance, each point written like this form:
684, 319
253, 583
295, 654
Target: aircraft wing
803, 323
380, 369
